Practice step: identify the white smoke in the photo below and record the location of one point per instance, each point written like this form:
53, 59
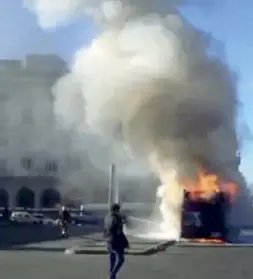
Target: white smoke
148, 80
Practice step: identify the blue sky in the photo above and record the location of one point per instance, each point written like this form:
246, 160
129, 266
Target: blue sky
230, 21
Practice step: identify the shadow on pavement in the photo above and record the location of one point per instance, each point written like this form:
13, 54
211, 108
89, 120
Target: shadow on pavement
12, 236
35, 249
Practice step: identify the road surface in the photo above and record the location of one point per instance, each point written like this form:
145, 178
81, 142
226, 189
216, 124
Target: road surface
176, 262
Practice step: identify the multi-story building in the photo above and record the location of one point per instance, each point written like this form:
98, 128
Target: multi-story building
28, 171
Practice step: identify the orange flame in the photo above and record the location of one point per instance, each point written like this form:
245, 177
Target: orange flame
208, 241
207, 185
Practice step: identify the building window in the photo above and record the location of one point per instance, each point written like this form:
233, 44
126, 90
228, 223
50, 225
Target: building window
25, 198
51, 167
26, 163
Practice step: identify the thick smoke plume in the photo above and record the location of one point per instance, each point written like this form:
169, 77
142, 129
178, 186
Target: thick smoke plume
152, 81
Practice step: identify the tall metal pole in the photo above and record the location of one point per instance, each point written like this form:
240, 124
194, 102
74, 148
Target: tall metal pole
116, 188
111, 185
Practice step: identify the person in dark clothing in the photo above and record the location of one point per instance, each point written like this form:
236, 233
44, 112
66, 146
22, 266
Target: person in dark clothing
116, 240
65, 219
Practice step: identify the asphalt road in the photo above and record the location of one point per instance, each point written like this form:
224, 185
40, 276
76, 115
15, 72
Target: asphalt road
176, 262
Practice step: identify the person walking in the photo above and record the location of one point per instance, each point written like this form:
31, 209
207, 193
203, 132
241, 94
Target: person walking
116, 240
65, 219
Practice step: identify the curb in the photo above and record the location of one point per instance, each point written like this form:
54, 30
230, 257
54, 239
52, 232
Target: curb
212, 245
161, 247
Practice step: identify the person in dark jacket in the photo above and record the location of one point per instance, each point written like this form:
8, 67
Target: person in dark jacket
65, 219
116, 239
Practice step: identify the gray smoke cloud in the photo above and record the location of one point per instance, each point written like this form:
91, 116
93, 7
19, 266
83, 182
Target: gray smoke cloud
152, 82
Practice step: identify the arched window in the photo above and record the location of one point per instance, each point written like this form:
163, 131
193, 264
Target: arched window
50, 198
4, 198
25, 198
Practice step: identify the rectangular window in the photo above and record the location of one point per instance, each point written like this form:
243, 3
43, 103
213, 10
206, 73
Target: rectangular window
51, 167
26, 163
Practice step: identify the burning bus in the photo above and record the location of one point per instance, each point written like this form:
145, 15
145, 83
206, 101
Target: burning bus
203, 215
206, 207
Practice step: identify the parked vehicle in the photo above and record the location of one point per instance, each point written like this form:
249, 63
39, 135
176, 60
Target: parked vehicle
44, 219
24, 217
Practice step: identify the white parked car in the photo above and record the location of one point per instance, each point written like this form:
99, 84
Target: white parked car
44, 219
24, 217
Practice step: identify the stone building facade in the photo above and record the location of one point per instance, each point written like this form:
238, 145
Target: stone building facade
28, 171
29, 192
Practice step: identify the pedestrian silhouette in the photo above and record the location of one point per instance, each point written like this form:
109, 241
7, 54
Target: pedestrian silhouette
115, 239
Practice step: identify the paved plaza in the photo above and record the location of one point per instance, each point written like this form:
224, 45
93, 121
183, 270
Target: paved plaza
175, 262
